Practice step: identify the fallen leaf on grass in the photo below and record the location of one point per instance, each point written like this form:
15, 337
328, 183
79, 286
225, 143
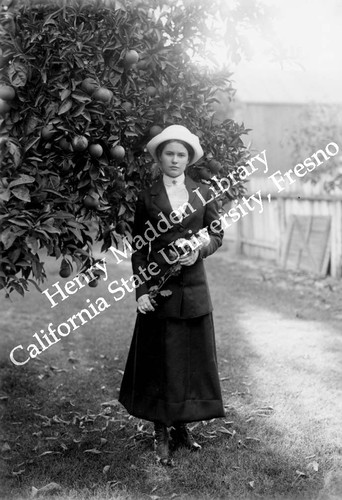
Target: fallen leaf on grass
49, 452
18, 473
248, 438
300, 473
226, 431
251, 484
73, 360
113, 403
313, 465
140, 426
47, 420
113, 484
264, 411
57, 370
59, 420
50, 488
240, 444
208, 436
93, 450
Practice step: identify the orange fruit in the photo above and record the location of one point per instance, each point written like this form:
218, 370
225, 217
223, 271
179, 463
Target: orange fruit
65, 269
131, 57
142, 64
48, 131
65, 144
117, 152
205, 173
7, 93
89, 85
79, 143
214, 166
93, 283
151, 91
98, 273
103, 95
95, 150
120, 228
90, 202
155, 130
127, 106
4, 107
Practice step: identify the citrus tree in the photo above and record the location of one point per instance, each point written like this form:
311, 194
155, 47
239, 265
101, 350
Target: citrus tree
83, 88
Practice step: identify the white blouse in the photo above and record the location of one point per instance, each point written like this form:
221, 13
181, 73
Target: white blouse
176, 190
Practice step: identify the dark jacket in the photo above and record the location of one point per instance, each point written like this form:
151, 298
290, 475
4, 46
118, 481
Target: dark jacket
190, 294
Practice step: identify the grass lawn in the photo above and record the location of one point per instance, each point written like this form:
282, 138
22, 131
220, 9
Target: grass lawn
279, 354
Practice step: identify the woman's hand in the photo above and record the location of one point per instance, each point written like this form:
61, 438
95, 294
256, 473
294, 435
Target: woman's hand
144, 304
189, 259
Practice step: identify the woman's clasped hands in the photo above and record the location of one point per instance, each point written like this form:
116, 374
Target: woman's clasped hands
187, 259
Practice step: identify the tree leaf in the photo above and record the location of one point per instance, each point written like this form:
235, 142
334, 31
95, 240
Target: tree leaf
23, 179
64, 108
17, 74
7, 237
22, 193
5, 195
15, 152
31, 143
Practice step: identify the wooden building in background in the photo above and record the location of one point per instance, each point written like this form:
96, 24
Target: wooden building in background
301, 227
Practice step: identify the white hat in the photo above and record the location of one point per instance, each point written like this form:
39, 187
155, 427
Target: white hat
177, 133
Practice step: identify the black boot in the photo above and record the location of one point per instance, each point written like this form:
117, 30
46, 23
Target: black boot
182, 437
161, 444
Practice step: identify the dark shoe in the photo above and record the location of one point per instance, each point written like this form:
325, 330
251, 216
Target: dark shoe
161, 445
182, 437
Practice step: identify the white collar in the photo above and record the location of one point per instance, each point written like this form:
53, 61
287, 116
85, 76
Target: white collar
173, 181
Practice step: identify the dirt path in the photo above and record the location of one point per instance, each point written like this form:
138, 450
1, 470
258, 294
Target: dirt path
287, 335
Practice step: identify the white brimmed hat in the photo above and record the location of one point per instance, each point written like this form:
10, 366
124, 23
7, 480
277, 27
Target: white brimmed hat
176, 133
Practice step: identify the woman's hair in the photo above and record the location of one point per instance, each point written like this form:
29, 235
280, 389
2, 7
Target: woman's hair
187, 146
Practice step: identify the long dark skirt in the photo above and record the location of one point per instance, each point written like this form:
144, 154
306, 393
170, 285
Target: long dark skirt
171, 371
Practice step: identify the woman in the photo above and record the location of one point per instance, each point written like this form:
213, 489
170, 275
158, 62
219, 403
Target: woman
171, 373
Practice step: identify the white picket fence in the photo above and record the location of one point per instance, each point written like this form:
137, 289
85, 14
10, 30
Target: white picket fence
263, 235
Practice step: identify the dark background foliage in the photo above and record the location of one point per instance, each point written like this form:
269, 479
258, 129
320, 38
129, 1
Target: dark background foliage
64, 182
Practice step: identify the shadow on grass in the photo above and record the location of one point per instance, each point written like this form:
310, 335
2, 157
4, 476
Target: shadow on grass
57, 428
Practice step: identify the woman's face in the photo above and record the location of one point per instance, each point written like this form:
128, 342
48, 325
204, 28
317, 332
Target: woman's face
174, 159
